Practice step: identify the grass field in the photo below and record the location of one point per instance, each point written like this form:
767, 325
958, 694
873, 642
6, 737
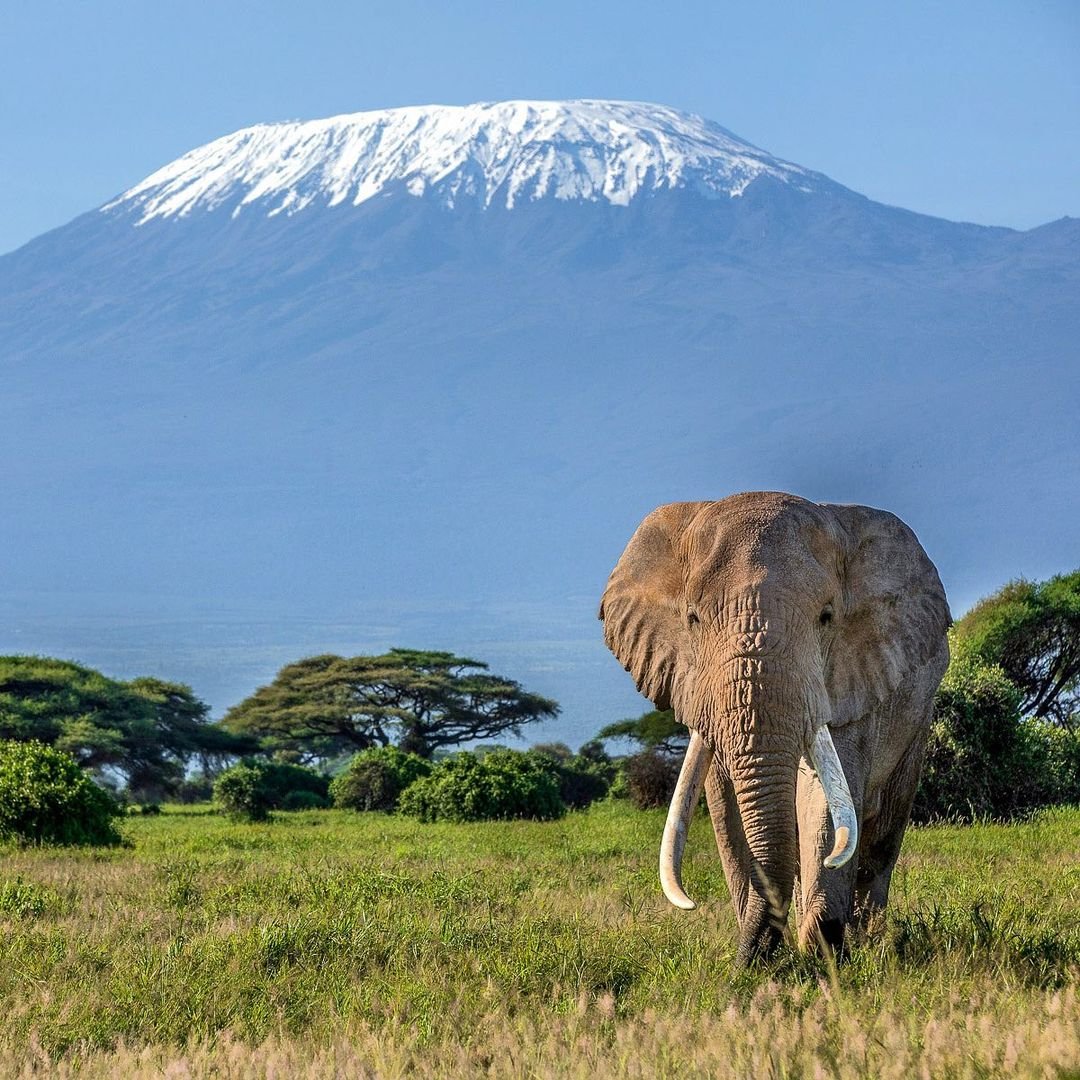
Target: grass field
333, 944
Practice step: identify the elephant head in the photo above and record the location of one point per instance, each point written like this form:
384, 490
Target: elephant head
767, 622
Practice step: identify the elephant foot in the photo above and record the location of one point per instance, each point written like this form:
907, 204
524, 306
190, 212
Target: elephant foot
824, 936
760, 936
758, 948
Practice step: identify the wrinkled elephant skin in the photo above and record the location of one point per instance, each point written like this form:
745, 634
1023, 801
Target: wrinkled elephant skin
802, 644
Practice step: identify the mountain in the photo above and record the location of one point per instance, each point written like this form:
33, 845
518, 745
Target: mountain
411, 377
499, 154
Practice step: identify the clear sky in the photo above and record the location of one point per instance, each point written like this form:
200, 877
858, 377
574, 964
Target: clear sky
968, 109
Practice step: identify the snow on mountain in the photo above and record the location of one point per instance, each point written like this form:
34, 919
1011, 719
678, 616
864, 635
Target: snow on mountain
497, 154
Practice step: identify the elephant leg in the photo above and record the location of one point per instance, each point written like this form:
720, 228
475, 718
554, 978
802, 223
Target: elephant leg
826, 896
730, 839
885, 834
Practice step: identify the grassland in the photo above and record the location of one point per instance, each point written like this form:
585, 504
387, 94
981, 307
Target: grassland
329, 944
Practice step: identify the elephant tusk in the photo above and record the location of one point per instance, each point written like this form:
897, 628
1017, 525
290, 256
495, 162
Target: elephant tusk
695, 768
830, 772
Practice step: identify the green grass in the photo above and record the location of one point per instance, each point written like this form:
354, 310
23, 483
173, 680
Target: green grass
366, 945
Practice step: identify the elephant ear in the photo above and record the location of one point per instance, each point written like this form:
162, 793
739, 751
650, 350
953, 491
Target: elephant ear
893, 613
643, 606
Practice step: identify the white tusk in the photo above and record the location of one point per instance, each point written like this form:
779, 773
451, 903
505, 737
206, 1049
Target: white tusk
830, 772
695, 768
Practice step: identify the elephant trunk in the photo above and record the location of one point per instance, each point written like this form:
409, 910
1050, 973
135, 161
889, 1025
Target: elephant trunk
761, 726
692, 776
764, 784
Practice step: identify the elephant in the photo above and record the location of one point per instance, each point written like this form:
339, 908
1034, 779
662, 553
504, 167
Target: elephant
802, 644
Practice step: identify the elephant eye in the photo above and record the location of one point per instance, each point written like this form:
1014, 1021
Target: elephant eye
826, 615
692, 617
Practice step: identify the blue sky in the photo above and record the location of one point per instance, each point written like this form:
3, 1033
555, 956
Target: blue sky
968, 110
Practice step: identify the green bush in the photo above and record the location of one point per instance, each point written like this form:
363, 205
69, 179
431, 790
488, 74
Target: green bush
283, 780
502, 784
1054, 754
650, 778
983, 759
304, 800
1064, 753
45, 798
583, 777
252, 789
242, 793
374, 779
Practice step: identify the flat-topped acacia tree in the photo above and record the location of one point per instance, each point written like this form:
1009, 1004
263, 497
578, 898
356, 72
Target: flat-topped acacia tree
420, 701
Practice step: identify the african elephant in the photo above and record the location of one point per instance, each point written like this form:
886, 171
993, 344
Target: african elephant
802, 644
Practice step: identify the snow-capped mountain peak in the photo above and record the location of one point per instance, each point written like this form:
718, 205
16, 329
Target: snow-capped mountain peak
498, 154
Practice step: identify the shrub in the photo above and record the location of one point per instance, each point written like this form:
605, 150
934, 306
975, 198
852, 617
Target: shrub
650, 779
374, 779
252, 789
242, 793
45, 798
283, 780
983, 759
582, 778
1062, 749
304, 800
503, 784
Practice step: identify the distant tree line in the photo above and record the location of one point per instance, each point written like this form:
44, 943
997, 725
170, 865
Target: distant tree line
377, 733
419, 701
154, 739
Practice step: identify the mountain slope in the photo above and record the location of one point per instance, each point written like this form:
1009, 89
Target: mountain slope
250, 408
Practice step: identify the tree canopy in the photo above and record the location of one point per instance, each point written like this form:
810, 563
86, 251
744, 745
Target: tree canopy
146, 729
420, 701
1032, 631
657, 730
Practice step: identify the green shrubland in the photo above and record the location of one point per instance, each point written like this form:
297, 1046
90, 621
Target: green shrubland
985, 758
499, 785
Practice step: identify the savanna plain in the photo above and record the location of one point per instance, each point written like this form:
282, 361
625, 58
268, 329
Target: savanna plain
329, 943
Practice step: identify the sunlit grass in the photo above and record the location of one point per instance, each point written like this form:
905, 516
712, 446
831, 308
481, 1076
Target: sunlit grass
328, 943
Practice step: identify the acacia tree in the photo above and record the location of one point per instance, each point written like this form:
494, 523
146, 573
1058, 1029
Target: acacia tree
1031, 629
656, 731
420, 701
146, 729
183, 731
